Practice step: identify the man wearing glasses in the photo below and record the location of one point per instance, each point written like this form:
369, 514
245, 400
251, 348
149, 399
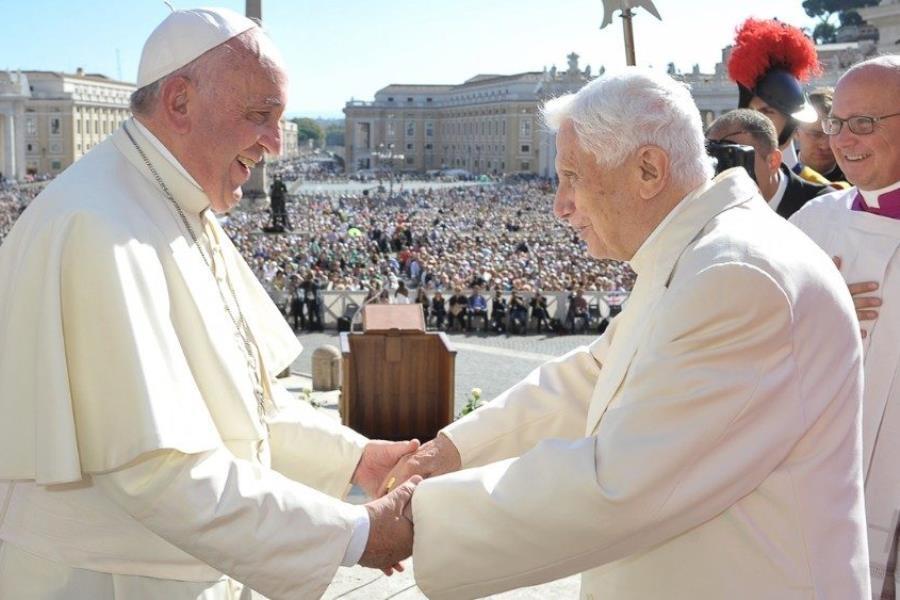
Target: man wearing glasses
784, 190
860, 228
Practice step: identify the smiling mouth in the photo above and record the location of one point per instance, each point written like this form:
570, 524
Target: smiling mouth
856, 157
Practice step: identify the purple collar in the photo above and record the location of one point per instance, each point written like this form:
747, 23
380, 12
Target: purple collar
888, 205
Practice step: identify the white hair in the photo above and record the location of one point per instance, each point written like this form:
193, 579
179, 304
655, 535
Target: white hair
614, 115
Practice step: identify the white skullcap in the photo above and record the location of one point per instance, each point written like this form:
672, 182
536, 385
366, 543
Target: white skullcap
185, 35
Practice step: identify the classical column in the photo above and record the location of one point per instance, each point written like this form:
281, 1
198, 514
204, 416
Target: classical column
8, 131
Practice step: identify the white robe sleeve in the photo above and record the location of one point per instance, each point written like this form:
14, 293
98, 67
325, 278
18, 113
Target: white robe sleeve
552, 401
277, 536
311, 447
687, 439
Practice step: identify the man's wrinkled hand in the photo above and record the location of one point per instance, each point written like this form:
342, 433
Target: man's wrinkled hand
863, 304
390, 529
378, 458
433, 458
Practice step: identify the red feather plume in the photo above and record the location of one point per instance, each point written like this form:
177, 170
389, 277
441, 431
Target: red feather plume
761, 45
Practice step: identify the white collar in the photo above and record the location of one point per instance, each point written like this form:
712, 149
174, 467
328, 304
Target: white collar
871, 196
161, 148
778, 196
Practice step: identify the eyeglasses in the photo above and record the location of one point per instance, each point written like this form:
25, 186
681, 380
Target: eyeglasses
861, 125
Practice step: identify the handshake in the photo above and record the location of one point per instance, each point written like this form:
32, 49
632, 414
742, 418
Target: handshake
389, 472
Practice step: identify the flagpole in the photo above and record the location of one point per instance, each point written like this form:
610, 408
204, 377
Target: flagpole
629, 37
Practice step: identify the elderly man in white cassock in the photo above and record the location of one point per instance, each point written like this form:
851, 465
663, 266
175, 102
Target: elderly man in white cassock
707, 446
860, 228
145, 449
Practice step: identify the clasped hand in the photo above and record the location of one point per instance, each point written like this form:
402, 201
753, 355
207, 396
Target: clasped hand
390, 472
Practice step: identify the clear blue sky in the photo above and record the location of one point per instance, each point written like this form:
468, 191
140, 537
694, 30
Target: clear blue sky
338, 49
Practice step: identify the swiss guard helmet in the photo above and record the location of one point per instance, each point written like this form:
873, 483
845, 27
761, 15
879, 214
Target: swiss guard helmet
770, 60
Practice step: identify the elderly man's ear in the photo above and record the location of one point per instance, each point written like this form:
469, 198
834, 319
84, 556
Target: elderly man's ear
175, 94
653, 165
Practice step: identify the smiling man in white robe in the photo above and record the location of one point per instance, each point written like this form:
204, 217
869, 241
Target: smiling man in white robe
146, 451
860, 227
708, 444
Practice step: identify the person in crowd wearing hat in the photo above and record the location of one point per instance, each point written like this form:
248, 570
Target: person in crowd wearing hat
769, 62
784, 190
815, 148
860, 227
146, 451
708, 444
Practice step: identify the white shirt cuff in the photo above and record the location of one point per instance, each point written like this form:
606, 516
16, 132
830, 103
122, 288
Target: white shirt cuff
358, 539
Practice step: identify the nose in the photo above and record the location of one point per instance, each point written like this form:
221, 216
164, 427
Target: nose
563, 203
270, 140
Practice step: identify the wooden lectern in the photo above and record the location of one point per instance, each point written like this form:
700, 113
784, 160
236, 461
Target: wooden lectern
398, 379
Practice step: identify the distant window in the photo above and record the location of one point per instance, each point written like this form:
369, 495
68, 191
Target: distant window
54, 126
410, 128
526, 166
525, 128
427, 99
29, 146
390, 98
55, 165
526, 148
409, 160
409, 99
77, 126
429, 146
409, 146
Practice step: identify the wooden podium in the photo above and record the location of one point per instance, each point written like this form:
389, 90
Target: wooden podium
398, 380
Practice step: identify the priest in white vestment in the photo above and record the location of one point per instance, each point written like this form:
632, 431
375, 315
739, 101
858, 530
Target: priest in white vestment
146, 450
707, 445
860, 227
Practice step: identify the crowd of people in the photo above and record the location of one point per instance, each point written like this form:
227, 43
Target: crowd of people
13, 200
498, 237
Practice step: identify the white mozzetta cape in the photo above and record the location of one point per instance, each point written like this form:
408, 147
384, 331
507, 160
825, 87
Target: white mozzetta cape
113, 337
869, 247
706, 446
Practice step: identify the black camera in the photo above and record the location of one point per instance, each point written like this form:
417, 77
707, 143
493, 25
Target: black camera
727, 155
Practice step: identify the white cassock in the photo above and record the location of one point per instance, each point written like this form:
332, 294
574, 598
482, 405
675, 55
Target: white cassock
869, 247
134, 462
707, 446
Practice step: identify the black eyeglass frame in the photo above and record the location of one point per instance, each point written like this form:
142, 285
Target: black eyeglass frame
827, 121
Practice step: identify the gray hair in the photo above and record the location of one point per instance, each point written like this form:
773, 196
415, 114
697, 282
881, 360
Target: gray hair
744, 120
253, 43
614, 115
